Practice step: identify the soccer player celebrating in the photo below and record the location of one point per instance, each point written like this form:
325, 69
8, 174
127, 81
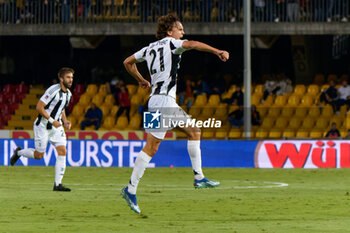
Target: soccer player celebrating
48, 126
163, 58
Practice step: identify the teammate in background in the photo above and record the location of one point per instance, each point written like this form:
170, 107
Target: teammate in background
163, 58
48, 126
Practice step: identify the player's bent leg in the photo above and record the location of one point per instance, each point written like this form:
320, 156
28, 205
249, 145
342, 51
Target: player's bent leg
28, 153
141, 163
15, 156
194, 150
60, 168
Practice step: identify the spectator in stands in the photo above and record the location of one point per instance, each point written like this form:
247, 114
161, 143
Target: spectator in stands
271, 87
86, 8
65, 11
259, 8
330, 95
344, 95
280, 14
255, 116
333, 132
48, 11
187, 94
235, 118
348, 135
293, 10
93, 116
236, 98
124, 102
114, 88
234, 8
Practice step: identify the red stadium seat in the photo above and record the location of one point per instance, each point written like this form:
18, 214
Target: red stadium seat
79, 89
13, 99
5, 110
21, 89
9, 88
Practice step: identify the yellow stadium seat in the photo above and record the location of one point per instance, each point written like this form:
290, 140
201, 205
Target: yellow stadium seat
98, 100
122, 123
252, 134
259, 89
280, 101
343, 110
269, 101
302, 134
136, 100
287, 112
221, 133
91, 89
308, 123
288, 133
321, 123
274, 112
319, 79
194, 111
307, 101
299, 89
84, 100
332, 77
300, 112
209, 133
102, 90
86, 108
143, 92
105, 110
78, 111
214, 100
267, 123
73, 120
281, 123
234, 133
131, 89
261, 133
324, 87
294, 123
220, 112
316, 133
327, 111
262, 111
135, 122
314, 112
338, 120
313, 90
109, 100
275, 133
293, 100
207, 112
256, 99
201, 100
232, 108
114, 110
109, 122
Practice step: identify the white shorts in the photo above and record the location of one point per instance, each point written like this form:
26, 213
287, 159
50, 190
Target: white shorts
42, 136
167, 107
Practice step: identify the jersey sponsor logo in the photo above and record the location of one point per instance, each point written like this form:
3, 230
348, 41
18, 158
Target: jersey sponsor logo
46, 96
152, 120
303, 154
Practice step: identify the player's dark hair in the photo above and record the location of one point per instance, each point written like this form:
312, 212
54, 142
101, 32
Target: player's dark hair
63, 71
165, 24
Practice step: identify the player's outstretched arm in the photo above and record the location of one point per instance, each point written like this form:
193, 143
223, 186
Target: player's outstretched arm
191, 44
40, 107
130, 66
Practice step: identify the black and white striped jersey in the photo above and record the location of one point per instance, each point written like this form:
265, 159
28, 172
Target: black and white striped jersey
56, 100
163, 60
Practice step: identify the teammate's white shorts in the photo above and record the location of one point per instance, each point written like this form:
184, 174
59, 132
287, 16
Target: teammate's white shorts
169, 110
42, 136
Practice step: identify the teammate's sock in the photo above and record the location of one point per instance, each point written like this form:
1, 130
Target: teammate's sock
194, 150
60, 167
141, 163
28, 153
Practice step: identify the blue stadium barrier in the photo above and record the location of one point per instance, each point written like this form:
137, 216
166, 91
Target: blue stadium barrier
111, 153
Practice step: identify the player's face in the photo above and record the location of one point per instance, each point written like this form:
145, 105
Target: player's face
67, 80
177, 31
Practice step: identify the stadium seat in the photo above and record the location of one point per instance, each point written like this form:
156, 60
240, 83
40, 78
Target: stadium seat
232, 108
274, 112
114, 110
302, 134
131, 89
136, 100
343, 110
259, 89
316, 133
102, 90
267, 123
142, 92
221, 133
79, 89
293, 100
201, 100
308, 123
85, 99
262, 111
207, 112
300, 112
72, 120
9, 89
214, 100
327, 111
287, 112
299, 89
294, 123
307, 101
78, 111
324, 87
321, 123
98, 99
234, 133
288, 133
261, 133
313, 90
268, 102
208, 133
256, 99
135, 122
122, 123
319, 79
21, 88
275, 133
332, 77
91, 89
314, 112
338, 120
281, 123
220, 112
105, 110
109, 100
280, 101
109, 122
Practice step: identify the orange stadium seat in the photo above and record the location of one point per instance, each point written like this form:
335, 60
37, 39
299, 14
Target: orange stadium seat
319, 79
299, 89
131, 89
78, 111
275, 133
109, 122
214, 100
114, 110
306, 101
109, 100
194, 111
293, 100
316, 133
122, 123
102, 90
313, 90
91, 89
332, 77
84, 99
98, 99
261, 133
280, 101
207, 112
135, 122
105, 110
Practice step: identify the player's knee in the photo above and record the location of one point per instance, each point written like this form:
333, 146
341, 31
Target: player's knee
195, 134
62, 151
38, 155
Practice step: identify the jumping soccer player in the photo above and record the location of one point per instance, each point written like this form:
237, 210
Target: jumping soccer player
163, 58
48, 128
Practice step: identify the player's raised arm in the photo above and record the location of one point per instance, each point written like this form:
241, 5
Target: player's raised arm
191, 44
40, 107
130, 66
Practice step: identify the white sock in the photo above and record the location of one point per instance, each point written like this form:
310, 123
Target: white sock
194, 150
141, 163
28, 153
60, 167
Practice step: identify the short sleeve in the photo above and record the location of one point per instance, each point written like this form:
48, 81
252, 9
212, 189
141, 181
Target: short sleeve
49, 94
140, 55
176, 46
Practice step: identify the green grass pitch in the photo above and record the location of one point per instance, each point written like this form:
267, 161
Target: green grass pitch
248, 200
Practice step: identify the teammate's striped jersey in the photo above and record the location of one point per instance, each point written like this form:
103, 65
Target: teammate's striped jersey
56, 101
163, 59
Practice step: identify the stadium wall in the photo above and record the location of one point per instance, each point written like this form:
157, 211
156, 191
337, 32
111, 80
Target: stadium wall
260, 154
